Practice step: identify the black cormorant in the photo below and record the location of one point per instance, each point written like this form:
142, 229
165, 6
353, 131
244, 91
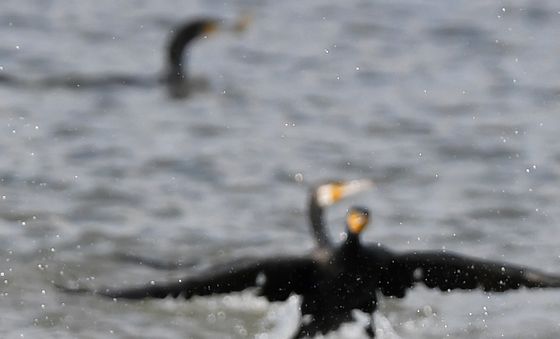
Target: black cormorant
348, 278
176, 76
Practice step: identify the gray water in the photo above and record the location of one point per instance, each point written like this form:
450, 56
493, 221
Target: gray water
451, 106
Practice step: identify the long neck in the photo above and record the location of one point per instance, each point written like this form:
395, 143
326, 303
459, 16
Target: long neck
351, 245
352, 239
176, 55
317, 223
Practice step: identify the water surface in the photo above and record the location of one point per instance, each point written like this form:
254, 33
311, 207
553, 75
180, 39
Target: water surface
451, 107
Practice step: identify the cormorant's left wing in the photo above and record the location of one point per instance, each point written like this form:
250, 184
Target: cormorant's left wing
275, 279
448, 271
157, 264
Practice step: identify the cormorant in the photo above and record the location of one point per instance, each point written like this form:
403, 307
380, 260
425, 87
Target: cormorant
176, 76
321, 196
327, 194
348, 278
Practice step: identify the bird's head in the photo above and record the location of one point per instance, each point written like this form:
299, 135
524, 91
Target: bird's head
333, 191
357, 219
203, 27
196, 28
182, 36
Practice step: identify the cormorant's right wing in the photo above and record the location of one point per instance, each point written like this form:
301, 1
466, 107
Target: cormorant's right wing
275, 279
448, 271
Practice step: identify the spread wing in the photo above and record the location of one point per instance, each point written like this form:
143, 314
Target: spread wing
448, 271
275, 278
157, 264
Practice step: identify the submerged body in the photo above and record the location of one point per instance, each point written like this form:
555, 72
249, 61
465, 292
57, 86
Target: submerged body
176, 77
348, 277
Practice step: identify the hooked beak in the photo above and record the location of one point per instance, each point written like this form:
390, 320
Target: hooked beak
333, 192
241, 24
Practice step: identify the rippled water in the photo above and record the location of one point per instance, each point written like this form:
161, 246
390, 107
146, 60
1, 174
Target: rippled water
452, 107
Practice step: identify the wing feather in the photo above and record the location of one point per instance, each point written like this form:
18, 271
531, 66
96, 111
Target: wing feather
448, 271
276, 279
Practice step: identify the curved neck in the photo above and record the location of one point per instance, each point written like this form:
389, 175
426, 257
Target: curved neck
317, 222
176, 55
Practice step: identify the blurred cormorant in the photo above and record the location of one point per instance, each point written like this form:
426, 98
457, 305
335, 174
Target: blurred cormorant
176, 76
